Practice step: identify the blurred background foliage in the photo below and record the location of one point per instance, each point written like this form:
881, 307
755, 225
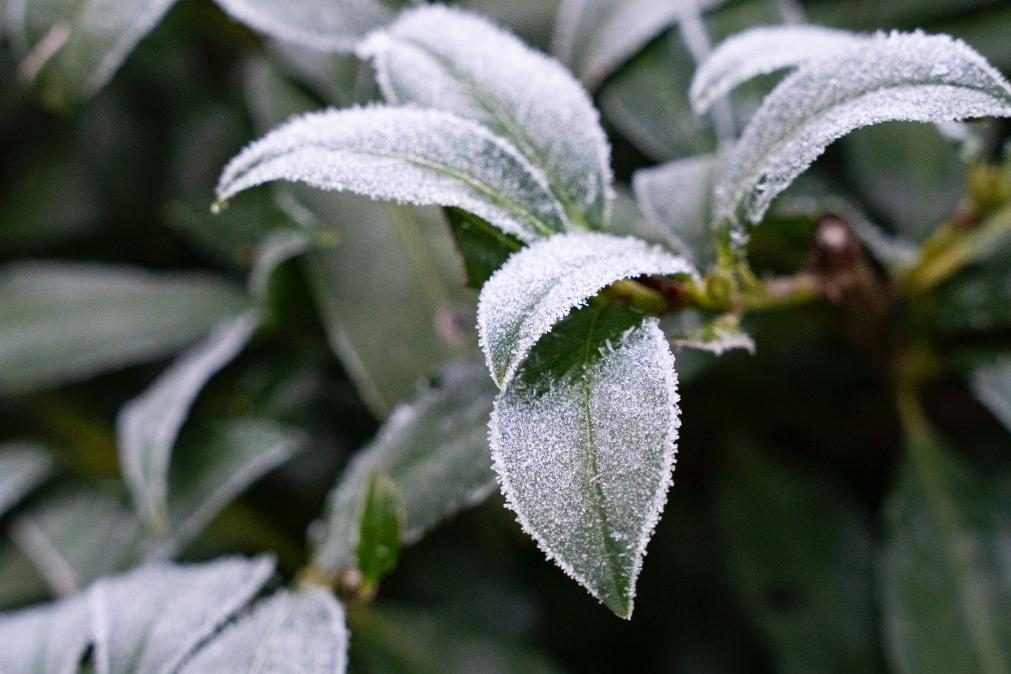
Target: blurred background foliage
766, 557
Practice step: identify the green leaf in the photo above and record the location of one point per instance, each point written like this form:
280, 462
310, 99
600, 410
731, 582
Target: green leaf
434, 451
484, 249
23, 466
799, 555
583, 442
49, 639
62, 322
379, 529
992, 385
944, 569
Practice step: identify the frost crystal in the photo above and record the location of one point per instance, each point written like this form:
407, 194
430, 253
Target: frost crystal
422, 157
893, 77
326, 25
587, 464
289, 633
148, 425
46, 639
760, 51
677, 198
149, 620
441, 58
23, 465
540, 285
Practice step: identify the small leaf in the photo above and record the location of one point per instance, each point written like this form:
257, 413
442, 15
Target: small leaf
325, 25
63, 322
23, 466
290, 632
760, 51
896, 76
584, 455
49, 639
422, 157
992, 386
379, 529
945, 566
148, 621
442, 58
433, 449
541, 284
717, 336
484, 248
148, 425
677, 198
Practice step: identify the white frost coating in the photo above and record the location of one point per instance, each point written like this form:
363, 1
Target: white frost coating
893, 77
760, 51
147, 426
149, 620
539, 285
422, 157
48, 639
586, 466
435, 450
23, 466
677, 198
289, 633
992, 385
325, 25
442, 58
594, 37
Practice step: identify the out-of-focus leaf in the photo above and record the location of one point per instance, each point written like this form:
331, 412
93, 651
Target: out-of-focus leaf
23, 466
976, 301
342, 80
61, 322
20, 581
69, 48
531, 20
992, 385
433, 449
49, 639
799, 554
289, 632
379, 529
150, 620
945, 568
871, 14
148, 425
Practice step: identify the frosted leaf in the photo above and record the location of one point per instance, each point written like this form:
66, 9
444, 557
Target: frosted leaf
49, 639
442, 58
435, 451
63, 322
74, 48
760, 51
23, 466
289, 633
422, 157
992, 386
677, 198
541, 284
585, 460
325, 25
717, 336
149, 620
148, 425
594, 37
895, 76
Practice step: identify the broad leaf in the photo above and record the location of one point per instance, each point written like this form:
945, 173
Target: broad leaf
541, 284
677, 198
584, 455
992, 385
49, 639
593, 37
23, 466
760, 51
72, 48
422, 157
440, 58
149, 620
433, 449
945, 566
896, 76
326, 25
799, 554
148, 425
289, 632
65, 322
